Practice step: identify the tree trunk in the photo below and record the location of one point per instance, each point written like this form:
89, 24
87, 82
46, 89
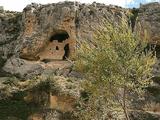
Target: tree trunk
124, 105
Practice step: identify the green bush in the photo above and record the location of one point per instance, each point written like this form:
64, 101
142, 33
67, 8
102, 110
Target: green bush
117, 69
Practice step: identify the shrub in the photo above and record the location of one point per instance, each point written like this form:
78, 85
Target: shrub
117, 69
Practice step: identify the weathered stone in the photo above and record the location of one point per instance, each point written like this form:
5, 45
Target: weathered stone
9, 31
63, 72
149, 20
75, 74
56, 93
48, 34
51, 31
22, 68
7, 87
62, 103
42, 38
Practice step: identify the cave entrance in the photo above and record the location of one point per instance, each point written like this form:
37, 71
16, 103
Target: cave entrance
59, 36
66, 52
58, 47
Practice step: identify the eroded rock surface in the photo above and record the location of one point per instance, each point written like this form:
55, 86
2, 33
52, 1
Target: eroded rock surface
51, 31
149, 19
48, 33
10, 26
42, 40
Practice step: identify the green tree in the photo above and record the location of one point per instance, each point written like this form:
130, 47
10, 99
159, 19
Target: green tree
117, 68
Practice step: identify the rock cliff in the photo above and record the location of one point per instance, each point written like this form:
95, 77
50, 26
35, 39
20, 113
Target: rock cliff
42, 40
10, 26
47, 33
61, 24
149, 19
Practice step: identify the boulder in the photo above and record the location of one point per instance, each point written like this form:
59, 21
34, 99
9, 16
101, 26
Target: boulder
22, 68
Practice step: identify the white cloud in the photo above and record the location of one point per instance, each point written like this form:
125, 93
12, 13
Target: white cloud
152, 0
18, 5
129, 1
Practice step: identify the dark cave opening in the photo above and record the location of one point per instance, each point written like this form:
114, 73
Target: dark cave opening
66, 52
60, 36
57, 48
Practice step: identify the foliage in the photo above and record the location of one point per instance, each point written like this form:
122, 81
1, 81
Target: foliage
117, 68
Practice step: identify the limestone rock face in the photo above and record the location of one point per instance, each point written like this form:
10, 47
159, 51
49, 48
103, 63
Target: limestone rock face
149, 19
39, 41
46, 33
10, 26
22, 68
50, 31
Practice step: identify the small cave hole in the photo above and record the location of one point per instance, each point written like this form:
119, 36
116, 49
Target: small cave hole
45, 60
91, 12
57, 48
60, 36
66, 52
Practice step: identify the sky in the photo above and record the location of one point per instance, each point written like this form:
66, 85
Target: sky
18, 5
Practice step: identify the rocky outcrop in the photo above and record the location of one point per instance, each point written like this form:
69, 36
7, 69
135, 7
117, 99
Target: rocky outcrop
10, 26
48, 33
50, 25
149, 20
42, 40
39, 98
22, 68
